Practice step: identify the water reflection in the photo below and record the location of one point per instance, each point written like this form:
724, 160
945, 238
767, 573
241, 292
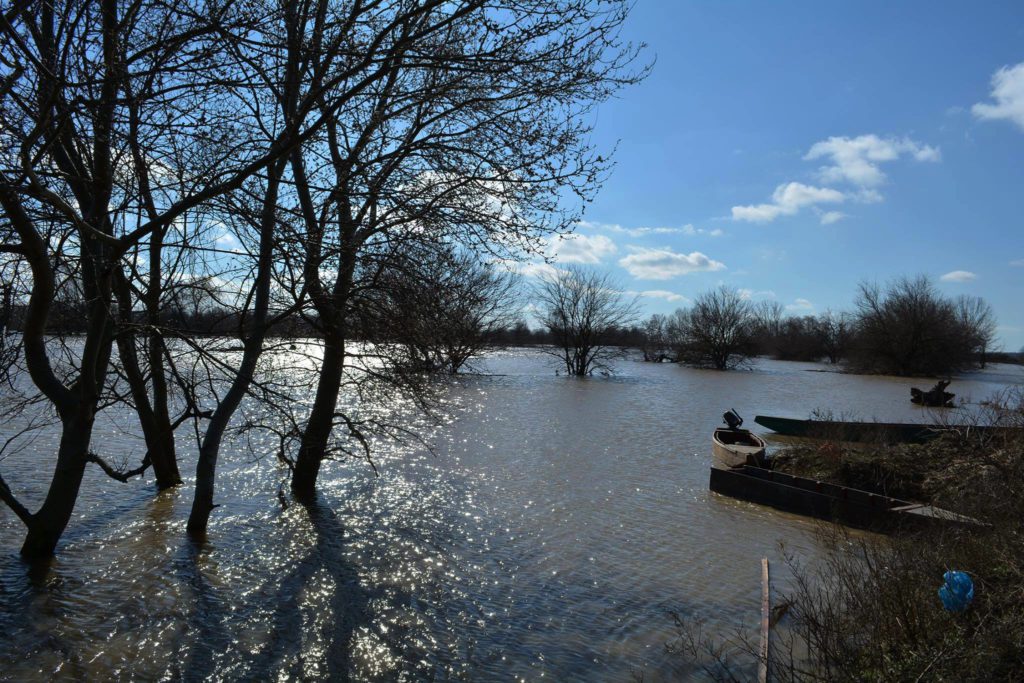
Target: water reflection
554, 528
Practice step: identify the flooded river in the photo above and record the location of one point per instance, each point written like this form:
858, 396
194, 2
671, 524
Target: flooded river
550, 535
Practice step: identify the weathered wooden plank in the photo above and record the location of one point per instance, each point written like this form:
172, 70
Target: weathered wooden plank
766, 610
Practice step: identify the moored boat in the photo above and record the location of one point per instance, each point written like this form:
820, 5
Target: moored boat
826, 501
732, 447
887, 432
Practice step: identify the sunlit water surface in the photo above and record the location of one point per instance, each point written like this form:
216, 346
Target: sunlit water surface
552, 532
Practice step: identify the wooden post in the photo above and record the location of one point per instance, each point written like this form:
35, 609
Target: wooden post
762, 666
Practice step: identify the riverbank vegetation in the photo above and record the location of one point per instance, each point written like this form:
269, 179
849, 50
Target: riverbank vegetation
870, 611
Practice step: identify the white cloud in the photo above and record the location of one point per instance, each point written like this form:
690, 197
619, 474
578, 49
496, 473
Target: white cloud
664, 264
688, 229
749, 294
644, 231
1018, 263
228, 242
800, 305
959, 276
577, 248
536, 269
856, 160
868, 196
787, 200
658, 294
830, 217
1008, 93
663, 294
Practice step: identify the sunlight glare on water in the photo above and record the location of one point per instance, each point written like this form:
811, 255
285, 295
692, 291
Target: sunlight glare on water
551, 532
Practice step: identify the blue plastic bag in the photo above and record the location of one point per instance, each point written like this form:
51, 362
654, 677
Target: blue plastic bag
957, 591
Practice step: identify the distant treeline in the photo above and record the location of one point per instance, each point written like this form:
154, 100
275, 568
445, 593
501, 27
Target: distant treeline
907, 328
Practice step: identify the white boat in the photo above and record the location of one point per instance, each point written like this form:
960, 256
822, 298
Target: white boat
734, 447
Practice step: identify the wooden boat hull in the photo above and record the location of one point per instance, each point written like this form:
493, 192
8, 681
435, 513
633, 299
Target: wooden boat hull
830, 502
887, 432
733, 454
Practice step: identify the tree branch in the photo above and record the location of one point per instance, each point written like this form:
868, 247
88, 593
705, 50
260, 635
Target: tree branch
120, 475
7, 496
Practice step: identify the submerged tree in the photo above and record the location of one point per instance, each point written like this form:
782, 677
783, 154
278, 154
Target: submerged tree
977, 323
909, 328
581, 310
473, 140
445, 307
718, 331
837, 331
327, 136
94, 95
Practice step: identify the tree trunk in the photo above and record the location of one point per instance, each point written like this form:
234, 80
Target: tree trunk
163, 457
49, 522
153, 418
209, 449
313, 448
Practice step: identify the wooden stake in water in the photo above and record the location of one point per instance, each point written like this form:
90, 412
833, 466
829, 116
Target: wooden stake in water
766, 608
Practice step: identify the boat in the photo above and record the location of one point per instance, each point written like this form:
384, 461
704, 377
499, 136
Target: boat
826, 501
733, 447
887, 432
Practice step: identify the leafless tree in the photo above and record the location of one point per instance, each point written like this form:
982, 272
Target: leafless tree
837, 331
319, 61
445, 307
117, 120
908, 328
769, 319
94, 93
474, 138
977, 321
326, 134
581, 309
656, 343
718, 330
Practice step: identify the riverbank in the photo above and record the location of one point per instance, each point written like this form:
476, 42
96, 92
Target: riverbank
871, 611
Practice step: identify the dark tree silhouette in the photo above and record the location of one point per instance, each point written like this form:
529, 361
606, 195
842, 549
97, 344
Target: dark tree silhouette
908, 328
582, 310
717, 331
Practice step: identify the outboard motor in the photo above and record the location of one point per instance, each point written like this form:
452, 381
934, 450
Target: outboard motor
733, 419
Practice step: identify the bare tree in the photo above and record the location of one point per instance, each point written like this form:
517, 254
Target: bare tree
908, 328
118, 120
581, 310
445, 307
717, 331
94, 93
319, 61
769, 319
656, 338
977, 322
474, 138
837, 331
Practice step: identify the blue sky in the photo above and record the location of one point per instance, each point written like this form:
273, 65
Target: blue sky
795, 149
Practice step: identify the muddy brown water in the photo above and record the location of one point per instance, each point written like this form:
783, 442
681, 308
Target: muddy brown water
554, 529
